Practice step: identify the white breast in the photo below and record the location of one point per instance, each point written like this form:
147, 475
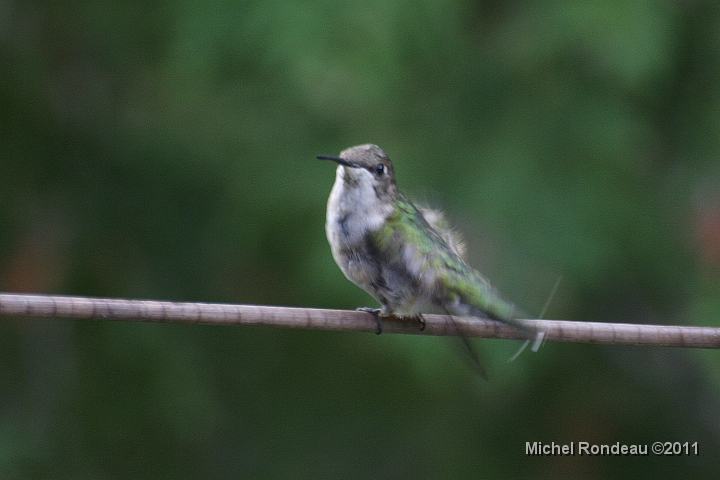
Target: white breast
353, 209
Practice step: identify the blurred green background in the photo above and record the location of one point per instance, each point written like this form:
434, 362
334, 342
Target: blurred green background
166, 150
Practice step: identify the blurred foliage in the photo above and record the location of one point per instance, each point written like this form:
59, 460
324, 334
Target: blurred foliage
166, 150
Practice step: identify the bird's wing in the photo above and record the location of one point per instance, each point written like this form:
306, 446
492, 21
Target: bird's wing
409, 241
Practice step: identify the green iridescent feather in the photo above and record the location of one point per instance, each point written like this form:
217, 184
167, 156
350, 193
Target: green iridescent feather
447, 273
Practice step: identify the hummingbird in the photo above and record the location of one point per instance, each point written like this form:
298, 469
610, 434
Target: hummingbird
402, 255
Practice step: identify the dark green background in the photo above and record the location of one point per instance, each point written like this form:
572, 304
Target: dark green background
166, 150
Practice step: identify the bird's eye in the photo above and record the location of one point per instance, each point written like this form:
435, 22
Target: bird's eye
380, 169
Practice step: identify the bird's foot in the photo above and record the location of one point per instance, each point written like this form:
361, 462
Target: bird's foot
378, 316
421, 319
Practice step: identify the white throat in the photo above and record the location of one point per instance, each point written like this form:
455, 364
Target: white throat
353, 208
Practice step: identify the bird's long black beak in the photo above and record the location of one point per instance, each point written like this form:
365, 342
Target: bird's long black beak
338, 160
